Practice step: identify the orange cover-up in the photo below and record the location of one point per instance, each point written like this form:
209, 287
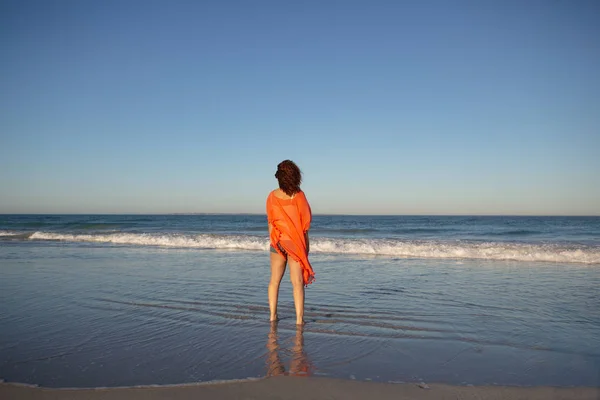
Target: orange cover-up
290, 220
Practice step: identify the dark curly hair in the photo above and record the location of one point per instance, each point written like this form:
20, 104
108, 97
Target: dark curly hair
289, 176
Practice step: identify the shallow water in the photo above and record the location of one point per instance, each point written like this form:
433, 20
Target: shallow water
94, 314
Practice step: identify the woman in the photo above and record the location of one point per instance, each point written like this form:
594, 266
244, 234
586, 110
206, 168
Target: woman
289, 216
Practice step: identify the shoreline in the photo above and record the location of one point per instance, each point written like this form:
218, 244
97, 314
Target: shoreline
298, 388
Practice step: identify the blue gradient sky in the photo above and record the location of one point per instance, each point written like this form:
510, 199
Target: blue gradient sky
389, 107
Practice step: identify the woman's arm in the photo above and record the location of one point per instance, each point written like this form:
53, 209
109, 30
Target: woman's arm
307, 242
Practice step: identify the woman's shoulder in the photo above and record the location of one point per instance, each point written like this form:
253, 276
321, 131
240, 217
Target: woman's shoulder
281, 195
273, 194
301, 194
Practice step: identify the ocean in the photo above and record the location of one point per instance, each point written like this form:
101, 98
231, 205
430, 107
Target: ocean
121, 300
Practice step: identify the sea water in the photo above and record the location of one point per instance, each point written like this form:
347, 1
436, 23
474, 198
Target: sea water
115, 300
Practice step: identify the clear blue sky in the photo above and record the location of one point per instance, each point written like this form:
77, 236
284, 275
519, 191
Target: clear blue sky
389, 107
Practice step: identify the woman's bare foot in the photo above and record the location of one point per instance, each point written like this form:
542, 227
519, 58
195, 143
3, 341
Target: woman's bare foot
274, 318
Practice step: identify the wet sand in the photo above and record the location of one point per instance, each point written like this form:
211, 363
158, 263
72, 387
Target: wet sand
295, 388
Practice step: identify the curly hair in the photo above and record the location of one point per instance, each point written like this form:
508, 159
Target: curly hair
289, 176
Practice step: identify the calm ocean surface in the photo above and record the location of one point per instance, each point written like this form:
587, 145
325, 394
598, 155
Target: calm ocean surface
119, 300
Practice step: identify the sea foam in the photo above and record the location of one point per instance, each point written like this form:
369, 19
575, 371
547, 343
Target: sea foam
557, 253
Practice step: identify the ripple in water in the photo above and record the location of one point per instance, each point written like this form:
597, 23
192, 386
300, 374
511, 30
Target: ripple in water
99, 316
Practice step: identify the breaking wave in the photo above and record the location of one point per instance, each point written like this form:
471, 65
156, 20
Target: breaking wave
560, 253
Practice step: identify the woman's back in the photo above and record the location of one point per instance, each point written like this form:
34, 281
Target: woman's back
289, 217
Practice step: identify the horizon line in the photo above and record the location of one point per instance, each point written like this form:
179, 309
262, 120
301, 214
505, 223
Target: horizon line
322, 214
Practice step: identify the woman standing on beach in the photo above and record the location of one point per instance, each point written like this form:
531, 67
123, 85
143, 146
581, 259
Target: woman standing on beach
289, 216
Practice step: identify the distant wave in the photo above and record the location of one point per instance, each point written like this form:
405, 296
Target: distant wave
516, 232
344, 230
70, 225
385, 247
424, 230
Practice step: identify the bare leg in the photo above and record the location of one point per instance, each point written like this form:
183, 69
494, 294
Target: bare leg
277, 270
298, 284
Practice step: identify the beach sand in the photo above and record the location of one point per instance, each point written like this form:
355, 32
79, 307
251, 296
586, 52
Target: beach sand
299, 388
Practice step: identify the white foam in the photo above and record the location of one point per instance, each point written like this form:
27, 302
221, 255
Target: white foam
174, 240
394, 248
7, 233
461, 250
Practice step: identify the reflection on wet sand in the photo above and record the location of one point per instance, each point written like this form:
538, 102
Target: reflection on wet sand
299, 363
